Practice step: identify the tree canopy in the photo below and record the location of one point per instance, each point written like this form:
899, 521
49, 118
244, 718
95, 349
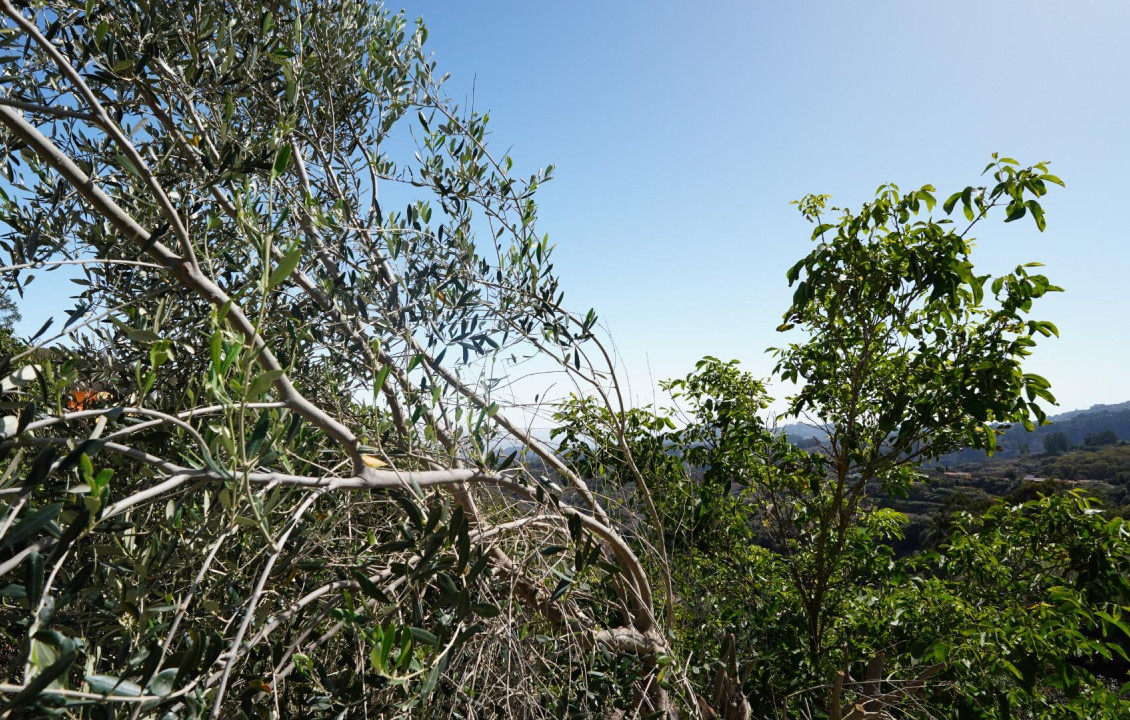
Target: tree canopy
265, 464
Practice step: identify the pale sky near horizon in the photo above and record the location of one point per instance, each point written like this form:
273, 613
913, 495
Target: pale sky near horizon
681, 132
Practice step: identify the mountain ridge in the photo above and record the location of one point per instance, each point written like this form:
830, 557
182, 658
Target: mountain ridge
1076, 425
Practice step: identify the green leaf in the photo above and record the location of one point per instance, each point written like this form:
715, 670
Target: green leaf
142, 335
282, 159
303, 663
409, 507
430, 681
41, 681
369, 587
40, 468
285, 267
941, 651
508, 461
216, 345
259, 433
126, 163
110, 685
375, 656
263, 383
561, 589
1012, 669
162, 682
990, 437
30, 525
951, 202
389, 636
1037, 214
978, 287
76, 528
925, 196
26, 416
447, 585
486, 610
34, 577
821, 229
136, 334
382, 376
421, 635
1016, 210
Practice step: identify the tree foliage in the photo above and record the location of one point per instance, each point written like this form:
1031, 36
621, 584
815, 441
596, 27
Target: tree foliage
264, 467
781, 555
1056, 444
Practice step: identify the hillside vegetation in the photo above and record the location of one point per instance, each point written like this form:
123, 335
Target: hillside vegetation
1102, 473
270, 464
1078, 428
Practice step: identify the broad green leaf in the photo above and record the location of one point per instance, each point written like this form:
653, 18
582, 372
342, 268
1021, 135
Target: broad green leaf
486, 610
41, 681
162, 682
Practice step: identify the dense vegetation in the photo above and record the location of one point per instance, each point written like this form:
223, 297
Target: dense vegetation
268, 466
1101, 473
1099, 466
798, 556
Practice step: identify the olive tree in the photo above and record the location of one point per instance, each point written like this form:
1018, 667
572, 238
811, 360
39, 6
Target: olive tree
265, 465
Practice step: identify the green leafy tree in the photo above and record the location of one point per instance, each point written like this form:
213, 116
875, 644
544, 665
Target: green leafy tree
9, 312
908, 354
1106, 437
779, 555
1010, 617
9, 315
1018, 609
1056, 444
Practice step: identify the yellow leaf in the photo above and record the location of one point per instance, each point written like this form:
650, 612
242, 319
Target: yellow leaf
373, 462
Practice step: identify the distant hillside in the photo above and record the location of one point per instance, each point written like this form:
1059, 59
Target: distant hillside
1076, 425
1102, 473
1093, 409
802, 435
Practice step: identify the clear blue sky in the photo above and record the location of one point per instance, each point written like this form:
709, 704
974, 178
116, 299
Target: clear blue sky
682, 131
